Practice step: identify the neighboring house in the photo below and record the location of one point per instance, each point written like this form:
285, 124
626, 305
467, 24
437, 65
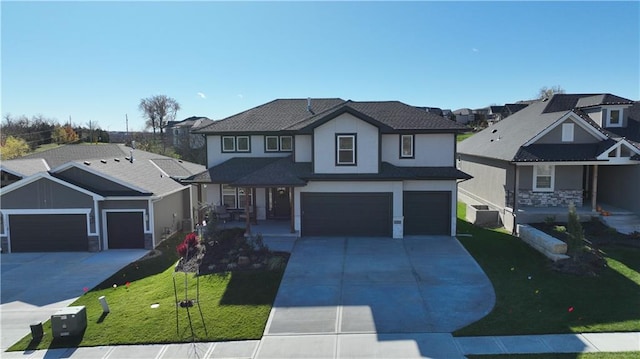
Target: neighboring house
93, 198
337, 168
464, 115
581, 149
179, 132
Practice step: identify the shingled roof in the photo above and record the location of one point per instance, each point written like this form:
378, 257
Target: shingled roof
295, 115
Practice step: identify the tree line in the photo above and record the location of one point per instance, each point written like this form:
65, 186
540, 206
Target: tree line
20, 135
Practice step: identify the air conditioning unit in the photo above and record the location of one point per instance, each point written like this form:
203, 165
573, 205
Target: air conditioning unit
69, 322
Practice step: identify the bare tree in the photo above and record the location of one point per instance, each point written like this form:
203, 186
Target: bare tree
158, 111
547, 92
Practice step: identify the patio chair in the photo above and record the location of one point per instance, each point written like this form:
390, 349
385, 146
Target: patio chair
221, 213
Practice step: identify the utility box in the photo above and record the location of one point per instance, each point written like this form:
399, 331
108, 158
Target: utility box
69, 322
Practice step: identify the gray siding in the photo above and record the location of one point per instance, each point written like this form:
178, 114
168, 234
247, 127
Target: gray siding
489, 178
45, 194
619, 186
566, 177
580, 135
169, 212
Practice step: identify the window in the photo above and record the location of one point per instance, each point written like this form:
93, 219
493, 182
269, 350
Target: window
543, 178
236, 144
278, 143
614, 118
271, 144
286, 143
242, 144
345, 150
567, 132
406, 146
234, 198
228, 144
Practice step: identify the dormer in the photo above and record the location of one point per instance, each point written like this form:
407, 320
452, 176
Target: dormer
614, 116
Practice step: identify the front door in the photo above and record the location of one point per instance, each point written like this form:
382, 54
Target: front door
279, 203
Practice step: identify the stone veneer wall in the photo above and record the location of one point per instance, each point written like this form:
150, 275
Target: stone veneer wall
94, 243
148, 241
559, 198
4, 243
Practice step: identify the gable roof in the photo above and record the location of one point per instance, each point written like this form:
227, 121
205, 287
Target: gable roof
293, 115
566, 102
148, 173
46, 176
24, 167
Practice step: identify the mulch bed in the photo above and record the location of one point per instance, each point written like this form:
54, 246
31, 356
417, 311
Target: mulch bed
589, 262
228, 250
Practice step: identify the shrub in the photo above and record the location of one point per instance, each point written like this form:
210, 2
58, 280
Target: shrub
182, 249
550, 220
575, 233
191, 239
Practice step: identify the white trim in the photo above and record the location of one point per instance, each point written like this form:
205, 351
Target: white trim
551, 180
8, 212
248, 138
576, 119
604, 156
105, 232
10, 171
222, 147
266, 143
45, 175
99, 173
607, 120
151, 222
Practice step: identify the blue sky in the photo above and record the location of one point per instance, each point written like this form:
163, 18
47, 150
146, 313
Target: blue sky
94, 61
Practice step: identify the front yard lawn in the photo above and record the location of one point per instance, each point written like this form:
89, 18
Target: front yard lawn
235, 306
531, 298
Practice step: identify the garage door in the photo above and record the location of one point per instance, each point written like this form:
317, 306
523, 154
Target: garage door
346, 214
125, 230
427, 213
48, 232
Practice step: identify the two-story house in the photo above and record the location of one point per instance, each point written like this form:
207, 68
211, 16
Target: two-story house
572, 148
337, 168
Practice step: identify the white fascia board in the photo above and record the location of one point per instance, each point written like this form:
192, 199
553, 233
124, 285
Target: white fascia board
159, 169
576, 119
621, 142
161, 196
97, 173
130, 198
559, 163
45, 175
5, 169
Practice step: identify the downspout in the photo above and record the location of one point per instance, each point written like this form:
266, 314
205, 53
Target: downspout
292, 209
247, 224
516, 184
594, 189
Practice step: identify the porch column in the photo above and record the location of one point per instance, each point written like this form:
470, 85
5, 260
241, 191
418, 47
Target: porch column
247, 224
255, 207
594, 189
292, 209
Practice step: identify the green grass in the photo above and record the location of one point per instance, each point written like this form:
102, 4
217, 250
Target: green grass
621, 355
533, 299
464, 136
234, 306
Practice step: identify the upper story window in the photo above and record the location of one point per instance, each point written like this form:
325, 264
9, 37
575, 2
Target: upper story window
567, 132
236, 144
406, 146
346, 150
543, 178
278, 143
614, 118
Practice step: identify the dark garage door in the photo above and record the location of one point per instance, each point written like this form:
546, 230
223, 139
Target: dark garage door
48, 232
125, 230
346, 214
427, 213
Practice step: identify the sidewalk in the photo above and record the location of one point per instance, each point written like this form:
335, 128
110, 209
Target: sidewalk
337, 346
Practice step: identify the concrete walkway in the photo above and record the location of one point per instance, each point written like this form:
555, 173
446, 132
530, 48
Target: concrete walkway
342, 346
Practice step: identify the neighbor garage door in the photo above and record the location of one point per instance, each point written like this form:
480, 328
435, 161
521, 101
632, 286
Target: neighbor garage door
427, 212
48, 232
346, 214
125, 230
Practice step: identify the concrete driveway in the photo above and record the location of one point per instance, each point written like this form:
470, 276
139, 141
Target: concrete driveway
427, 284
36, 285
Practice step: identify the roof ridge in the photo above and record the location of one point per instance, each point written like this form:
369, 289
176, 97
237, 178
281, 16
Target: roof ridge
319, 113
